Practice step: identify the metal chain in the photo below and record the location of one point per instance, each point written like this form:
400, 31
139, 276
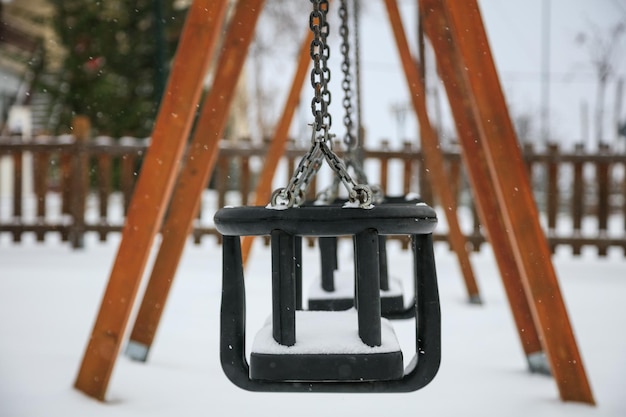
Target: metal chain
344, 30
309, 165
351, 141
320, 73
331, 192
356, 16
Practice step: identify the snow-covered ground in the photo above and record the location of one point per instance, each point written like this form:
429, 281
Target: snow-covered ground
49, 296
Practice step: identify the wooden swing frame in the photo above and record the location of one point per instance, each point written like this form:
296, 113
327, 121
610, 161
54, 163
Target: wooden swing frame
170, 180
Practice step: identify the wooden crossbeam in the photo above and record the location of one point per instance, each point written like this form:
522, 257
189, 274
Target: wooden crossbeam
172, 126
198, 165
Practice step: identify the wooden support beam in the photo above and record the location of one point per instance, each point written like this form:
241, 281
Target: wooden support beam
276, 149
198, 165
515, 199
451, 73
173, 124
434, 160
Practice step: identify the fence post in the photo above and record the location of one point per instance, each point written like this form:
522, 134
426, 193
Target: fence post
104, 185
223, 168
552, 194
477, 234
454, 171
18, 194
602, 177
127, 176
65, 164
578, 202
40, 180
408, 168
384, 167
81, 127
426, 191
623, 190
244, 174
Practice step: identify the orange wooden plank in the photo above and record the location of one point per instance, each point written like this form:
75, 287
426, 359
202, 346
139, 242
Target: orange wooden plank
276, 149
434, 23
199, 163
434, 160
199, 37
515, 199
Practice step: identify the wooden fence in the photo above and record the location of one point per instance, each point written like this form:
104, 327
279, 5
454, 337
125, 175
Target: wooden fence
75, 184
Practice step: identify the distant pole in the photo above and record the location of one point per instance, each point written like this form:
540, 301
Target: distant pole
545, 73
584, 123
619, 91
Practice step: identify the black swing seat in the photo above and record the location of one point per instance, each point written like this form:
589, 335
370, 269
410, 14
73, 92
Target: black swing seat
366, 358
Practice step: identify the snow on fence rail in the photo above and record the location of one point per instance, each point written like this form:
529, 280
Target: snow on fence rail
75, 184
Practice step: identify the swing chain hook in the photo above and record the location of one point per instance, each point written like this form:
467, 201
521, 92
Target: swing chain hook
294, 193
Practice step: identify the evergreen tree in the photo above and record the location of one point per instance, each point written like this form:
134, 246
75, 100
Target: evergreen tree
111, 72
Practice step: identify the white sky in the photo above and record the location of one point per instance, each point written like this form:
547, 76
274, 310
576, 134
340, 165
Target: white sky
516, 38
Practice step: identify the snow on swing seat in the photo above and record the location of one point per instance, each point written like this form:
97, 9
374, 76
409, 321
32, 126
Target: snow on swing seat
324, 332
327, 348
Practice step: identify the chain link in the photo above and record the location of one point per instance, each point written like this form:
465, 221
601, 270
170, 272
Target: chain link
320, 73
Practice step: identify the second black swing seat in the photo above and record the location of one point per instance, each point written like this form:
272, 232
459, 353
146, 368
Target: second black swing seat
336, 293
279, 362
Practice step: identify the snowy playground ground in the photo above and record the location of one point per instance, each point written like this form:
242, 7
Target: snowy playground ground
49, 296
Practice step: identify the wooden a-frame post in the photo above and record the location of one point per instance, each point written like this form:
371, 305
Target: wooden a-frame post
198, 165
150, 198
493, 130
508, 177
515, 198
474, 159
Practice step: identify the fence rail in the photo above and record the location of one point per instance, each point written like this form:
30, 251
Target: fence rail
75, 184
